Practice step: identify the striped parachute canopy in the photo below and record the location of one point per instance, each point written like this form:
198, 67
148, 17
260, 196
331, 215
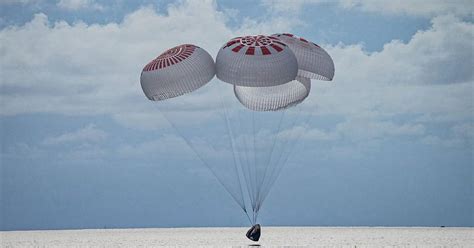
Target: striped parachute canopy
263, 71
313, 61
177, 71
256, 61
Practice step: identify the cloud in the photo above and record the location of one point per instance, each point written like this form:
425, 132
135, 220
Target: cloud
435, 140
413, 7
21, 150
445, 142
289, 6
439, 55
79, 4
362, 129
81, 69
464, 131
422, 8
358, 129
167, 145
429, 77
23, 2
306, 133
460, 135
88, 134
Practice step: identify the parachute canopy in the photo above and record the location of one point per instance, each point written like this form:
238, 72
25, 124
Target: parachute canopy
273, 98
313, 61
179, 70
256, 61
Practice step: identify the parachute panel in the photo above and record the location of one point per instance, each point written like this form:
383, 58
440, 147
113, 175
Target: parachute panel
273, 98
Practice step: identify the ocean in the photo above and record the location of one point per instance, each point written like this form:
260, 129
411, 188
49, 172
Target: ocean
235, 237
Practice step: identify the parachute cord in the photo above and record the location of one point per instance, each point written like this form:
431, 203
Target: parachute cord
254, 217
292, 149
259, 188
281, 158
287, 145
246, 166
248, 216
200, 158
231, 141
254, 203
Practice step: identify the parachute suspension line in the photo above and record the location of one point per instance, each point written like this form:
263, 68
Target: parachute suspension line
254, 202
248, 217
268, 160
231, 140
287, 145
292, 149
200, 158
255, 217
275, 170
271, 169
246, 166
232, 145
250, 158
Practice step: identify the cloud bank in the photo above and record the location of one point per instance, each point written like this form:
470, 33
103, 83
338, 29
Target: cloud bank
422, 8
87, 70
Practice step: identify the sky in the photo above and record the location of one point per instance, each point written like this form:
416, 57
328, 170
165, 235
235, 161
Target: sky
389, 141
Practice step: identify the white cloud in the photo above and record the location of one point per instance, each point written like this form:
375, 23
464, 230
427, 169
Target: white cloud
306, 133
413, 7
88, 134
429, 77
355, 129
79, 4
439, 55
80, 69
168, 145
445, 142
425, 8
290, 6
363, 129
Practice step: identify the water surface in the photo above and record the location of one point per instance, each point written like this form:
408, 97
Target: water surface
235, 237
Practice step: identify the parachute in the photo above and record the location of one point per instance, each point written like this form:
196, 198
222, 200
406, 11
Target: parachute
313, 61
256, 61
273, 98
244, 126
179, 70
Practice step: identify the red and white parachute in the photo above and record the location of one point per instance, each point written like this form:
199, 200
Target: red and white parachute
270, 76
313, 61
177, 71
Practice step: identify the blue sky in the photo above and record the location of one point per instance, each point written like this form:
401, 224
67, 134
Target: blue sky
390, 142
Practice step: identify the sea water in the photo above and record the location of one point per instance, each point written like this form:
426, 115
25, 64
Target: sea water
235, 237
